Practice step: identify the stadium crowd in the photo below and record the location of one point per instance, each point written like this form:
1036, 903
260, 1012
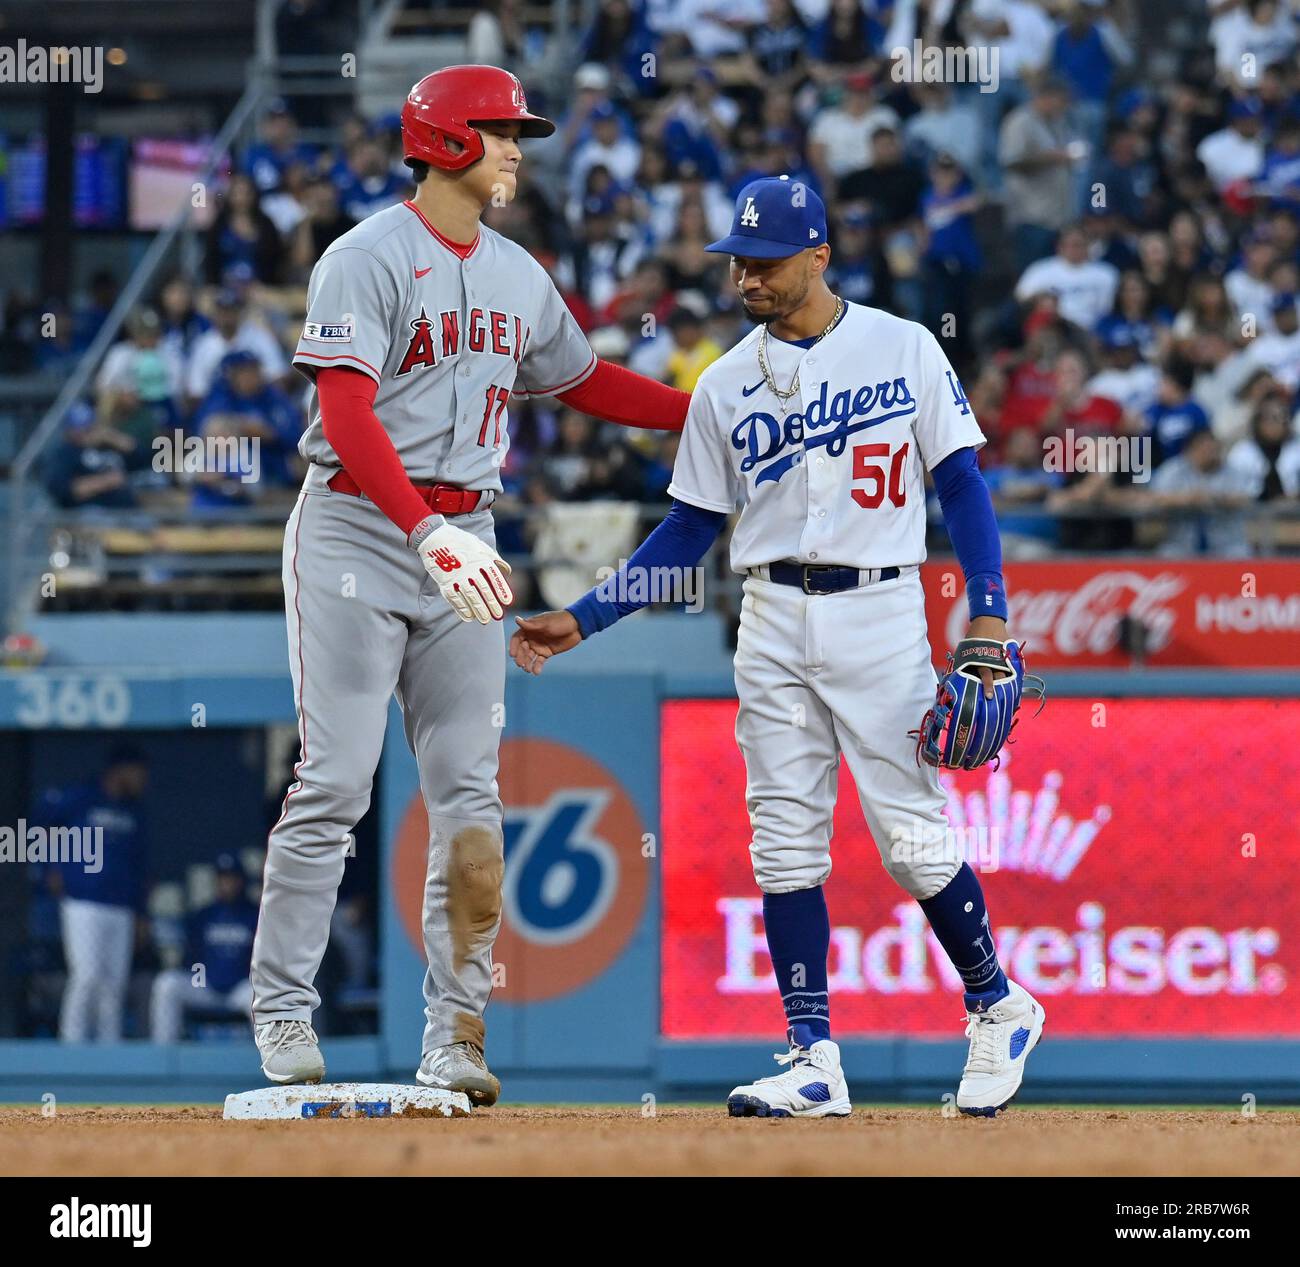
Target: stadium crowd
1103, 252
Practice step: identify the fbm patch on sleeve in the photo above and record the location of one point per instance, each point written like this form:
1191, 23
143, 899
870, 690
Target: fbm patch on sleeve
319, 332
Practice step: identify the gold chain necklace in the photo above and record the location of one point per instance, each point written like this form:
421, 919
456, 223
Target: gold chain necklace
784, 397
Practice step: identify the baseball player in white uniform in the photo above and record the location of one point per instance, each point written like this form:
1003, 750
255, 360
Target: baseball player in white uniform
818, 426
421, 324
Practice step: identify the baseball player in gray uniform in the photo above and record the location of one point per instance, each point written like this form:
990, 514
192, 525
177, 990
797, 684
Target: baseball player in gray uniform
421, 324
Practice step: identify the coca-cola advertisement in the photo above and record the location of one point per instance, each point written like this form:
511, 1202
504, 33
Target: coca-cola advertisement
1139, 858
1184, 613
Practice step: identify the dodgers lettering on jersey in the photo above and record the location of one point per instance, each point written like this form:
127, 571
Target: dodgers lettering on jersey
837, 478
448, 340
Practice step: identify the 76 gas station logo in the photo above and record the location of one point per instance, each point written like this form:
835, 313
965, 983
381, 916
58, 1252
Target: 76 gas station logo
560, 877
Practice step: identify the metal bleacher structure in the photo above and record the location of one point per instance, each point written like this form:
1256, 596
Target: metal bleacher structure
118, 559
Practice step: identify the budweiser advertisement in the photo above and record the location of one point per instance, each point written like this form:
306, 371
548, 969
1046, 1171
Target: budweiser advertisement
1068, 613
1139, 858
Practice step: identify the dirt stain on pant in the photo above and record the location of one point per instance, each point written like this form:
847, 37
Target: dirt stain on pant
475, 871
469, 1029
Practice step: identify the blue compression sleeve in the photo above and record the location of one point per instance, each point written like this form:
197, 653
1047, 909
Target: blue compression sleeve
681, 541
973, 531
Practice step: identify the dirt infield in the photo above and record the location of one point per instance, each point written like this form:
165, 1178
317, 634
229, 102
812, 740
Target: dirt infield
606, 1140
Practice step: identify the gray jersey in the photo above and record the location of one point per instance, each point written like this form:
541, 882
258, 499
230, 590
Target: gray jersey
447, 339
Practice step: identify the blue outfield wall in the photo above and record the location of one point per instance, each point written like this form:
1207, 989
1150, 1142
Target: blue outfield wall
581, 753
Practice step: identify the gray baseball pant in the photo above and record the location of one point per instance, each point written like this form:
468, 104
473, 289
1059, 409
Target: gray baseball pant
365, 620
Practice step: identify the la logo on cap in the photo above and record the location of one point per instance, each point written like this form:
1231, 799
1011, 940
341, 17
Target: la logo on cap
749, 217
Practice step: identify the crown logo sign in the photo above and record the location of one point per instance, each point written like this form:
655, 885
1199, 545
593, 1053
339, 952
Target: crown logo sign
1030, 833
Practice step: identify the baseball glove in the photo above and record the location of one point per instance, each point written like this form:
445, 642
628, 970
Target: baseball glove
963, 729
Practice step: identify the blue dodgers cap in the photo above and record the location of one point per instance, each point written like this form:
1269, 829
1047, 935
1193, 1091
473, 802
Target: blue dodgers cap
1118, 333
237, 357
775, 217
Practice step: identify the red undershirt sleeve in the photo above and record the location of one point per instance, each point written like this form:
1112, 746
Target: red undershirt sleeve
621, 395
354, 432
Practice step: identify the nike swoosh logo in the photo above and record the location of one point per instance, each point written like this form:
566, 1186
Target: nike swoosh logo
420, 272
749, 391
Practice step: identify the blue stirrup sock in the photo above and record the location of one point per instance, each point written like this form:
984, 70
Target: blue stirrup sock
961, 923
799, 941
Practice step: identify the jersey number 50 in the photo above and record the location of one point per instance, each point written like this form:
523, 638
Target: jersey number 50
865, 469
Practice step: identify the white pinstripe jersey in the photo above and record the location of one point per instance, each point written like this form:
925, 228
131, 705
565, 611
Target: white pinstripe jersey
447, 333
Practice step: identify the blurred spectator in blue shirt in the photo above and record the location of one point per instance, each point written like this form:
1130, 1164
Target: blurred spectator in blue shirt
775, 152
276, 149
1086, 53
778, 48
351, 132
607, 147
91, 464
218, 954
951, 259
101, 892
1127, 178
591, 87
1280, 179
241, 238
1175, 416
260, 411
182, 322
102, 295
57, 354
697, 121
1020, 480
235, 326
368, 184
619, 36
848, 36
857, 271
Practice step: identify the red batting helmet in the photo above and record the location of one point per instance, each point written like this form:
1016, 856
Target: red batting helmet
447, 104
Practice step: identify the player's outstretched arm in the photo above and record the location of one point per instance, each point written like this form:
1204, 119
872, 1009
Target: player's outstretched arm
680, 542
621, 395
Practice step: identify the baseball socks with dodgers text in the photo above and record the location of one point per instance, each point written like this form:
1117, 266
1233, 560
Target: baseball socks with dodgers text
799, 941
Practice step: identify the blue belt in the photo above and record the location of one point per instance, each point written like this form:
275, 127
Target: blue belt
814, 579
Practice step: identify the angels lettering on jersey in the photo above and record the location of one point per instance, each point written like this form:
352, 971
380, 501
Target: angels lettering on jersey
434, 339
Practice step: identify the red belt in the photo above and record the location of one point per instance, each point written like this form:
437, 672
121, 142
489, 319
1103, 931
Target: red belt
442, 499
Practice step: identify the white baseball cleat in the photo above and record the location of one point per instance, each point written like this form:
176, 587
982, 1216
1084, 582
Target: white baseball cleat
460, 1067
290, 1052
813, 1086
1000, 1042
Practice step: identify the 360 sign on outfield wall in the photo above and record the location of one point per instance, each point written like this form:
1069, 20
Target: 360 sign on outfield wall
1139, 858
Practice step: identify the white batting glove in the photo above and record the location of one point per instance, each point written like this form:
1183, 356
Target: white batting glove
469, 573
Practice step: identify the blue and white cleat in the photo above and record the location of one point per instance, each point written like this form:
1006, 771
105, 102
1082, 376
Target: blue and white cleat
813, 1086
1001, 1039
